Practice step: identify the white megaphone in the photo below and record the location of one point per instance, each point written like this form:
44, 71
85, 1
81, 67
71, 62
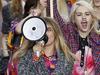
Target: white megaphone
34, 29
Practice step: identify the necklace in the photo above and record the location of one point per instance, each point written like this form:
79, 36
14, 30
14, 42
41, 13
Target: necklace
50, 62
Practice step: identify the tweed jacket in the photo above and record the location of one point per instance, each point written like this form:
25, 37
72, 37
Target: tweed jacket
26, 66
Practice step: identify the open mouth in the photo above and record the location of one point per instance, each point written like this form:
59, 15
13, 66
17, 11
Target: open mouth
84, 24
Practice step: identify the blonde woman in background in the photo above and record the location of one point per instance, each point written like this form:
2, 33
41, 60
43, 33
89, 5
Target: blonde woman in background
84, 19
82, 38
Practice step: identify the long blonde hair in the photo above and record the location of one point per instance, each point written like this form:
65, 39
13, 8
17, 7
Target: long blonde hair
59, 41
89, 7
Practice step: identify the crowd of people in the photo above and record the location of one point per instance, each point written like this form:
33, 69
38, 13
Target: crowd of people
73, 38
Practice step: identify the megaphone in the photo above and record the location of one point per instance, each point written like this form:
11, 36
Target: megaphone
34, 29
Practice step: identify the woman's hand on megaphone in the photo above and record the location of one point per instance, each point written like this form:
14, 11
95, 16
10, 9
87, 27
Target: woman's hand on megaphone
37, 50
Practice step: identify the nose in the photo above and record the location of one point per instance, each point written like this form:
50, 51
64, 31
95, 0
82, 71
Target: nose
84, 17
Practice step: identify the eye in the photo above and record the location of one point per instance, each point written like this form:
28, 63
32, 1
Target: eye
87, 13
49, 29
78, 14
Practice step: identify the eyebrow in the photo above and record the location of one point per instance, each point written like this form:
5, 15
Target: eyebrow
49, 27
82, 12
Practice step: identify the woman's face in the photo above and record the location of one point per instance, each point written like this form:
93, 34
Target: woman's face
50, 35
83, 19
43, 3
96, 3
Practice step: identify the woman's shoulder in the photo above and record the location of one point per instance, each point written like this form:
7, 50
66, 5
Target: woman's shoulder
61, 56
27, 56
63, 64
